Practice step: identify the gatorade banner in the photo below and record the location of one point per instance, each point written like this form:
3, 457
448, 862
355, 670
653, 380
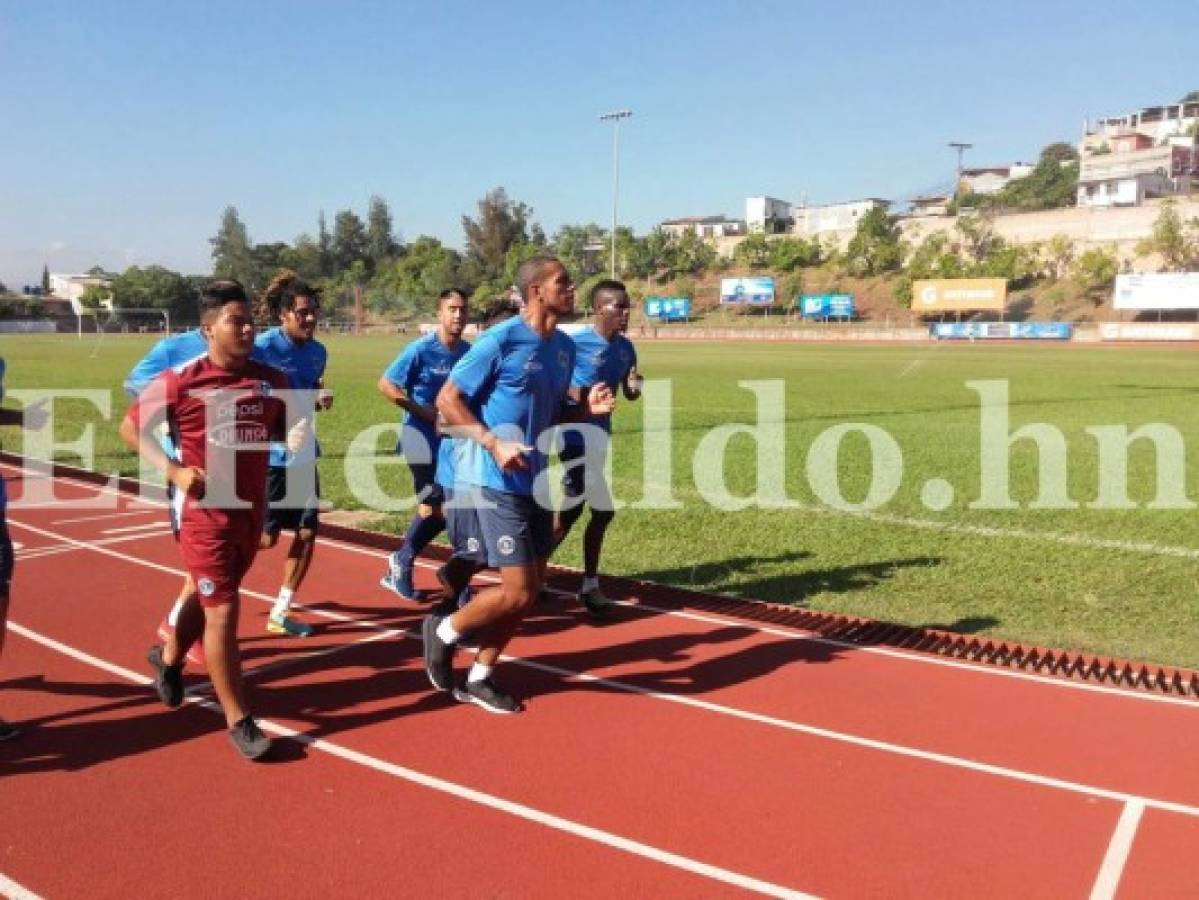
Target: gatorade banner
959, 295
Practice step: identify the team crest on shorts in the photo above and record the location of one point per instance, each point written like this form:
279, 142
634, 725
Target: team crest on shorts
206, 586
506, 545
264, 388
472, 545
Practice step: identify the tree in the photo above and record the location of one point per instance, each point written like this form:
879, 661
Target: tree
45, 280
1096, 269
583, 249
500, 224
380, 242
689, 255
753, 252
875, 246
232, 256
646, 257
3, 288
1060, 151
788, 254
305, 258
1177, 243
414, 280
1059, 253
324, 244
155, 287
93, 296
1191, 97
349, 244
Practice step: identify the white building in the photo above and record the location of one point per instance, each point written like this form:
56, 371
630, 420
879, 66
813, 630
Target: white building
703, 226
992, 179
1158, 123
833, 218
71, 287
768, 215
1132, 167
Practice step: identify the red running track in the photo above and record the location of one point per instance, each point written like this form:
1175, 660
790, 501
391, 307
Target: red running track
669, 754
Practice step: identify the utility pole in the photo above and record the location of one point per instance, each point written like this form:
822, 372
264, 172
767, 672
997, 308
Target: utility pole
961, 148
615, 118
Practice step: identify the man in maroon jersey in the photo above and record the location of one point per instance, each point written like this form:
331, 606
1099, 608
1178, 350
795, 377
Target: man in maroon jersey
222, 410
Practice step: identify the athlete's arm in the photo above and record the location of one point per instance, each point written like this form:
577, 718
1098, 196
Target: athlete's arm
597, 400
631, 385
136, 434
400, 398
461, 422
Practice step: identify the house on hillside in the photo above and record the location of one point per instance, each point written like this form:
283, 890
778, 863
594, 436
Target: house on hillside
704, 226
766, 215
992, 179
837, 219
72, 287
1134, 168
931, 205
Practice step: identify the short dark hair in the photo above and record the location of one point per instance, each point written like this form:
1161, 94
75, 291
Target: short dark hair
608, 284
216, 294
532, 270
451, 292
295, 289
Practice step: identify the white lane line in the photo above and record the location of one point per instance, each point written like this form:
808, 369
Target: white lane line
811, 637
1117, 852
911, 367
893, 653
462, 792
119, 515
14, 891
58, 549
145, 526
733, 712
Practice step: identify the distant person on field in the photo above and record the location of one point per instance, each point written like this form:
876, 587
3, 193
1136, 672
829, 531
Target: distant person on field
34, 418
411, 382
292, 348
222, 409
603, 355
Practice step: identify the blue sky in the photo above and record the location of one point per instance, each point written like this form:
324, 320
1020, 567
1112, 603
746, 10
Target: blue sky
129, 126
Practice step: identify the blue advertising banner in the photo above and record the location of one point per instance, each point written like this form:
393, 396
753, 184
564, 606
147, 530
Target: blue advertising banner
668, 309
754, 290
1008, 331
826, 306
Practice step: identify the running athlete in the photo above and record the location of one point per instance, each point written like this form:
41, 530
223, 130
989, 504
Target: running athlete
293, 349
34, 418
411, 382
501, 398
167, 353
221, 410
602, 354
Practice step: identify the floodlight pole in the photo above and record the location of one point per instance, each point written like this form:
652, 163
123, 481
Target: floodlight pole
615, 117
961, 148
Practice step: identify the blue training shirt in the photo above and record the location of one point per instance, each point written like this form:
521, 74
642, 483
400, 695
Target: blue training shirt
515, 383
419, 371
304, 365
3, 480
598, 360
166, 354
176, 350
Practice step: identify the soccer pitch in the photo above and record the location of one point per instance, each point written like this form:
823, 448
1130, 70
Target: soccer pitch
1095, 577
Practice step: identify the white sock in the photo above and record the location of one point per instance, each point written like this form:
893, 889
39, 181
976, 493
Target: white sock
590, 583
173, 615
283, 602
479, 672
446, 631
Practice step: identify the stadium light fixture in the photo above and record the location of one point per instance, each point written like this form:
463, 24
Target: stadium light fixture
615, 118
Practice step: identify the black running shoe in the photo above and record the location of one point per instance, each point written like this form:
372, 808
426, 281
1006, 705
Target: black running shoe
168, 680
485, 694
249, 740
439, 656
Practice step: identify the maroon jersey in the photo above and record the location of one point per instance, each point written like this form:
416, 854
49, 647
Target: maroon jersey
213, 414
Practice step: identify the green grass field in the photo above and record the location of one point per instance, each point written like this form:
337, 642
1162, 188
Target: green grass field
1105, 580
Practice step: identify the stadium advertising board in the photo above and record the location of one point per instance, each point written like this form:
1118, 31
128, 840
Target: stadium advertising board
668, 309
1157, 290
959, 295
1149, 331
757, 291
1004, 331
826, 306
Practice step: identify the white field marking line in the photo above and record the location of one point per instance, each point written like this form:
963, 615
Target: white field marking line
145, 526
800, 635
118, 515
59, 549
14, 891
462, 792
786, 724
1117, 852
911, 367
893, 653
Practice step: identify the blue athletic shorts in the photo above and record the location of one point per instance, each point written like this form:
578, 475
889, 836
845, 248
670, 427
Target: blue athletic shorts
466, 535
305, 517
513, 529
